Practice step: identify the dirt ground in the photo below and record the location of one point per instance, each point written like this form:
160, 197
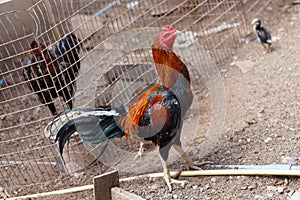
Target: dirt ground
262, 122
261, 126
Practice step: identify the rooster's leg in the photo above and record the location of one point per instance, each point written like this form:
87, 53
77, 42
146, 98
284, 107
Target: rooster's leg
265, 49
170, 180
269, 48
141, 149
188, 163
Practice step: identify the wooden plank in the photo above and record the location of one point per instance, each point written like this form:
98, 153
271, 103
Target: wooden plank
120, 194
103, 184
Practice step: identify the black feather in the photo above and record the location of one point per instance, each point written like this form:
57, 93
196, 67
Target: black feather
162, 135
67, 52
93, 126
64, 134
263, 35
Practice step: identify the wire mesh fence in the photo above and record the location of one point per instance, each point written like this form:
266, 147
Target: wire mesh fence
44, 69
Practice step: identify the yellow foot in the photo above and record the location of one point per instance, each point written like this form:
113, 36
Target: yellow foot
266, 51
175, 181
141, 151
196, 166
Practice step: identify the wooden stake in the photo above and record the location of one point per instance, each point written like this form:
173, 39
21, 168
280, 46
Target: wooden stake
104, 183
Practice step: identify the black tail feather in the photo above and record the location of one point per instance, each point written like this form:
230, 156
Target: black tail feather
94, 125
64, 134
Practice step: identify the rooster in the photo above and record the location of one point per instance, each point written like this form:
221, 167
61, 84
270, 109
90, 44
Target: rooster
53, 73
156, 115
263, 36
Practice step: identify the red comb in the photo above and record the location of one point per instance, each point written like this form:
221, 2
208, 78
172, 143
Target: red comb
167, 28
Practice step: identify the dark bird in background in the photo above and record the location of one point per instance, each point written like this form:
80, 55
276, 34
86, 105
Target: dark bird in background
52, 74
157, 115
67, 51
263, 36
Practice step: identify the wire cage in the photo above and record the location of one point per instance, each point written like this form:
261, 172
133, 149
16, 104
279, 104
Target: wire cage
114, 63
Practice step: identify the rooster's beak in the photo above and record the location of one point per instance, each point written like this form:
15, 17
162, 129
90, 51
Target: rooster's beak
178, 32
253, 22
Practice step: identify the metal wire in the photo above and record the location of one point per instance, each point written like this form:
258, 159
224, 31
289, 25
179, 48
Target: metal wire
115, 59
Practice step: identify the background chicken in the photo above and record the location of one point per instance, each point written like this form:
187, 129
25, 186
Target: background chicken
67, 51
263, 36
53, 74
157, 114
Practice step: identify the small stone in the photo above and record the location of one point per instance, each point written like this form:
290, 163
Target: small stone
154, 187
167, 196
253, 186
207, 186
183, 184
288, 160
286, 181
213, 179
244, 188
195, 187
269, 194
268, 139
175, 196
280, 190
258, 196
272, 188
275, 38
224, 70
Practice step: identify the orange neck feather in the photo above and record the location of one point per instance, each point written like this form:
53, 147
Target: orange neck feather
169, 67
